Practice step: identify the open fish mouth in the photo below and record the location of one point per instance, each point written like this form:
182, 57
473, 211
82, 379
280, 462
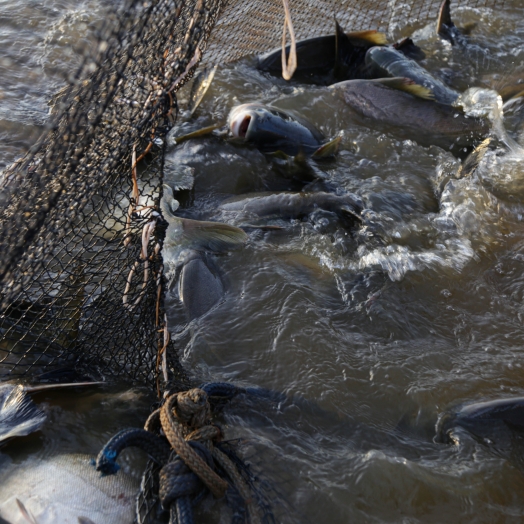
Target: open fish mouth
240, 125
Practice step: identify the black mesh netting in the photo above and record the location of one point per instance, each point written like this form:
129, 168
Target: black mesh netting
80, 240
77, 287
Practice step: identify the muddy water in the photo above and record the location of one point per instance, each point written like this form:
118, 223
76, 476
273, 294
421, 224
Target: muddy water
373, 334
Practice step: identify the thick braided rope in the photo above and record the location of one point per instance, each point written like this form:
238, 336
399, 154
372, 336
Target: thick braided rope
191, 407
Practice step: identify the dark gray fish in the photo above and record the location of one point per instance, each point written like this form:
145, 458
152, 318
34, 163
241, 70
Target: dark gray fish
199, 287
498, 424
446, 29
294, 205
388, 62
326, 59
272, 130
391, 102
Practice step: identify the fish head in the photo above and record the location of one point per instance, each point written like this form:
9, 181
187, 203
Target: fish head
272, 129
244, 119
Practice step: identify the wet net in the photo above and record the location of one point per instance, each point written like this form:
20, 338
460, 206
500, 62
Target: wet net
81, 273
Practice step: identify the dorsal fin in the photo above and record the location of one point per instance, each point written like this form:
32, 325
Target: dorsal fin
408, 86
444, 19
372, 36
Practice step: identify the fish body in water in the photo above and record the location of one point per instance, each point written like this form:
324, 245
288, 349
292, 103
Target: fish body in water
326, 59
183, 233
199, 286
272, 130
65, 489
390, 102
388, 62
294, 205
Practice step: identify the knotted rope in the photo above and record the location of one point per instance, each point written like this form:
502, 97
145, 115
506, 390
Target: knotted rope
180, 437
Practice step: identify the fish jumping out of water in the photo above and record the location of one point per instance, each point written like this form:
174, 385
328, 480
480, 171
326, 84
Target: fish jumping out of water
272, 130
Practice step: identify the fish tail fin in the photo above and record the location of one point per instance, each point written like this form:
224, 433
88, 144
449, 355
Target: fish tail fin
328, 149
213, 236
408, 86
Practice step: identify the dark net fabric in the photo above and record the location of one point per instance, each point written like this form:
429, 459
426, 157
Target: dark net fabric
76, 287
81, 280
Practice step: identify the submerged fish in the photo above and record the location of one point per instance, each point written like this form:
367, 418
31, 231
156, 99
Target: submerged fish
484, 419
272, 130
294, 205
388, 62
195, 234
326, 59
64, 489
199, 285
399, 103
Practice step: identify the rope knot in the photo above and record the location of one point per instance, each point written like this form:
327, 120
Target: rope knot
192, 408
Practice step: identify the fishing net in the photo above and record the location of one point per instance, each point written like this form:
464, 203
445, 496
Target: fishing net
81, 273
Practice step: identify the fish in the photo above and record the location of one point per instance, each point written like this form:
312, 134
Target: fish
286, 204
447, 30
497, 424
184, 233
64, 489
323, 60
19, 415
408, 107
200, 287
389, 62
274, 130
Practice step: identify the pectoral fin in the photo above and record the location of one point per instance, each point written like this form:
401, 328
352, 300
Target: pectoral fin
328, 149
213, 236
196, 134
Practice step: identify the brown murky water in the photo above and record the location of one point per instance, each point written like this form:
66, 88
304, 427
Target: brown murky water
373, 335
